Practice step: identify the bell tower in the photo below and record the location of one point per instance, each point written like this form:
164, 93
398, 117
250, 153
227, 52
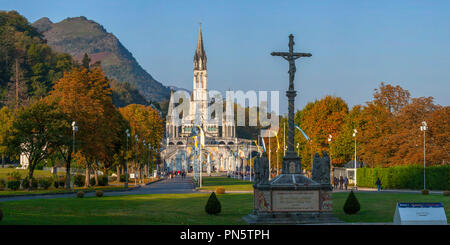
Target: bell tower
200, 88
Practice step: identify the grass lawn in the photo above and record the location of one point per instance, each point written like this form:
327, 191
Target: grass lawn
380, 207
155, 209
183, 209
24, 172
230, 184
61, 190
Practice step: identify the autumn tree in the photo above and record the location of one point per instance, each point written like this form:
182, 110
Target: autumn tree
318, 120
85, 96
147, 124
392, 98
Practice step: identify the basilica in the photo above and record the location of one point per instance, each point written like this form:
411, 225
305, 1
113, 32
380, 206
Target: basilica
220, 149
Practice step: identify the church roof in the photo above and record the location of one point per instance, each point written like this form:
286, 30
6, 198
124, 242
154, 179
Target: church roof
200, 54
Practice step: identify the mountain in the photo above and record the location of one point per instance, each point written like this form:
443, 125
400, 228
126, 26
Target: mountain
77, 36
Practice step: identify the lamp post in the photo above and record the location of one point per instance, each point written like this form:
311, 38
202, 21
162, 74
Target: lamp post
329, 142
143, 162
74, 129
137, 140
424, 128
126, 166
150, 154
354, 136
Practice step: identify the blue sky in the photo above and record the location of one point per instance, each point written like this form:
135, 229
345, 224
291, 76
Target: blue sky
355, 44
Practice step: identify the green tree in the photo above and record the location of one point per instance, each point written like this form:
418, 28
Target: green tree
6, 120
36, 131
86, 61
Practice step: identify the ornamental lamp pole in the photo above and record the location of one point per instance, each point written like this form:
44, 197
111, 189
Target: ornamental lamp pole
424, 128
137, 140
74, 129
150, 150
354, 136
126, 166
143, 162
329, 142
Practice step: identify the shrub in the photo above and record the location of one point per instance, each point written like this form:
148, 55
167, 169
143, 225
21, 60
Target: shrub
80, 194
62, 182
213, 205
446, 193
1, 215
14, 175
56, 184
425, 192
123, 177
25, 183
92, 181
99, 193
13, 185
45, 183
79, 180
220, 190
2, 184
103, 180
406, 177
351, 205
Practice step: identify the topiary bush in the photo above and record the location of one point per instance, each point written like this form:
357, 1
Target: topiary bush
99, 193
80, 194
220, 190
13, 185
45, 183
213, 205
425, 192
351, 205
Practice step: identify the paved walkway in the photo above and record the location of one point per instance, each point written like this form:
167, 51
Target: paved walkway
166, 186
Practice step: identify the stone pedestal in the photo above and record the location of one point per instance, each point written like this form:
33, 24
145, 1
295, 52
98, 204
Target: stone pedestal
292, 199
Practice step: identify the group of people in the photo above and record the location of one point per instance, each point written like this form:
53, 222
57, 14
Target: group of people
172, 174
340, 182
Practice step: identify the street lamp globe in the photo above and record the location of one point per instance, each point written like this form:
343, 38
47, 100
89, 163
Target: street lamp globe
74, 126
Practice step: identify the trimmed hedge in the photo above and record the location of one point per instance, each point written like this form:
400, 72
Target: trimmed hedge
405, 177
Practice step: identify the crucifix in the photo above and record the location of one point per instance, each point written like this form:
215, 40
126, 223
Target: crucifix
291, 162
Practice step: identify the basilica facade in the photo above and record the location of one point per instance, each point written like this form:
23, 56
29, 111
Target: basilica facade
221, 150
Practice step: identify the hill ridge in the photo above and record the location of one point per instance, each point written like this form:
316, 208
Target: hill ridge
79, 35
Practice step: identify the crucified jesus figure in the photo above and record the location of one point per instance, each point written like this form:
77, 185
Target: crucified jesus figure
291, 57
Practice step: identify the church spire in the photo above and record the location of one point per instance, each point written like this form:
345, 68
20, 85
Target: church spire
200, 55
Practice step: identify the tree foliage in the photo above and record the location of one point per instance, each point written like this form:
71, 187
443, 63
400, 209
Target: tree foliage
36, 133
27, 63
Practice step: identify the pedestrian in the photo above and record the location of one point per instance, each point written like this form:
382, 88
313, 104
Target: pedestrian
346, 182
378, 183
341, 182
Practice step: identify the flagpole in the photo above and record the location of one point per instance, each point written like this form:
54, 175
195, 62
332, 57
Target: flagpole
270, 169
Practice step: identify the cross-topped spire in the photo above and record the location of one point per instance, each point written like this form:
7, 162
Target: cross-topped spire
200, 55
